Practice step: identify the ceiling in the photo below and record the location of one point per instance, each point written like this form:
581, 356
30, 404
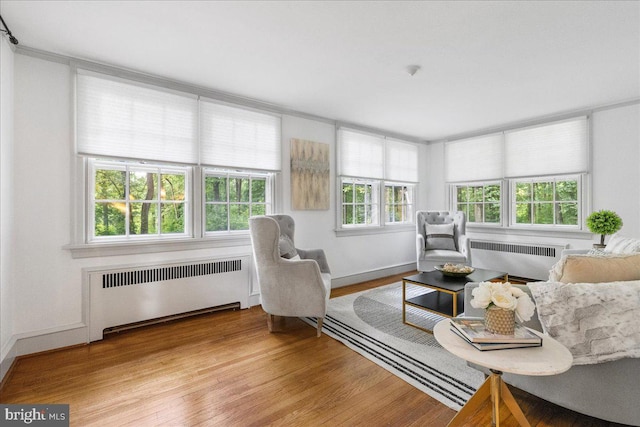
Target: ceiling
484, 64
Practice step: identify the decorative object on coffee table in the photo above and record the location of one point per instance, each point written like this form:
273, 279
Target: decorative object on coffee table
454, 270
447, 300
603, 222
503, 303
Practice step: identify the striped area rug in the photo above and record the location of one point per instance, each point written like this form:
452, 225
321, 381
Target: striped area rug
370, 323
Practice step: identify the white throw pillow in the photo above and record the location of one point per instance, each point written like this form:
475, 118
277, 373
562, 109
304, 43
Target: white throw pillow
439, 236
622, 245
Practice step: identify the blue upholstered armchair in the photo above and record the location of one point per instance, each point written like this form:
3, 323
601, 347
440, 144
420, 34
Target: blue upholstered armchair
441, 238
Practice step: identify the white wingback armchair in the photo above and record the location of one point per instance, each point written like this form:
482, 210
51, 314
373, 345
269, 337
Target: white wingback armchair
293, 282
441, 238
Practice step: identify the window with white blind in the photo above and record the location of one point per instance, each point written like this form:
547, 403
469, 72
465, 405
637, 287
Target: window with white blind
541, 170
151, 151
378, 178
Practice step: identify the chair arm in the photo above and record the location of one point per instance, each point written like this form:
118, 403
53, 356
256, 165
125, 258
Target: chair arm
464, 247
419, 243
470, 311
318, 256
294, 288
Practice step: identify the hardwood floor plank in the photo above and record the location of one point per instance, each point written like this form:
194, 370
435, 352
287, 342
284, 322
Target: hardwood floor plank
226, 369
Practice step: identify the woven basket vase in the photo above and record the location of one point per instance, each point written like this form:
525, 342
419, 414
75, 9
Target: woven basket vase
499, 321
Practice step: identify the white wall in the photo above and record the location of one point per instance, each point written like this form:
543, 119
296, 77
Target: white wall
347, 255
48, 290
46, 293
6, 197
615, 176
616, 165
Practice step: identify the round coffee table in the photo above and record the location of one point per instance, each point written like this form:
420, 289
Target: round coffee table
551, 359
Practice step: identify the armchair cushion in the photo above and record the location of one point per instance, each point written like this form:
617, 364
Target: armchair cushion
286, 246
439, 236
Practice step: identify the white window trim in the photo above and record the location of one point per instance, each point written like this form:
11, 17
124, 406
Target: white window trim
508, 226
411, 215
343, 230
376, 191
82, 248
153, 167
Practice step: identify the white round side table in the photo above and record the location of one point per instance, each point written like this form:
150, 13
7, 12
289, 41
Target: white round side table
551, 358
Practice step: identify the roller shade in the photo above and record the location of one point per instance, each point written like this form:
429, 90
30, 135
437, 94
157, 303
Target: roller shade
122, 119
361, 155
474, 159
401, 161
557, 148
235, 137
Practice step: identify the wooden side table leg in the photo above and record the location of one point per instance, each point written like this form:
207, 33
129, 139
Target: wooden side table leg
495, 398
513, 405
476, 401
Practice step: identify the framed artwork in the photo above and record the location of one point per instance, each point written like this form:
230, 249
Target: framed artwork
310, 170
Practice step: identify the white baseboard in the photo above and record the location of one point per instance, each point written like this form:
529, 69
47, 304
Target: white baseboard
39, 341
371, 275
9, 354
51, 339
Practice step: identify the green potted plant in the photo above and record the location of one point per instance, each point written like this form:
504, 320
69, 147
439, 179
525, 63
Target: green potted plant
603, 222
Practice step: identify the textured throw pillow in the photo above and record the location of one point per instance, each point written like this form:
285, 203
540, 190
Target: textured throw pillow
597, 252
439, 236
596, 269
287, 250
622, 245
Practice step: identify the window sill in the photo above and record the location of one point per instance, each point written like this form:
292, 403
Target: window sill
517, 231
362, 231
91, 250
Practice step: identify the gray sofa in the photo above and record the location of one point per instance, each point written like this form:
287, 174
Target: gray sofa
609, 391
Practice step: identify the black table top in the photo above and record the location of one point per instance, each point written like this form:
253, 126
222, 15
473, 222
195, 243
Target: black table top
454, 284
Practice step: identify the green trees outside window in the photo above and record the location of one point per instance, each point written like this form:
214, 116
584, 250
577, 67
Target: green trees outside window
230, 200
549, 202
131, 200
398, 203
480, 202
359, 203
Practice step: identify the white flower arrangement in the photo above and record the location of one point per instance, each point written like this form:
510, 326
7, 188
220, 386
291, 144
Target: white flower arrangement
505, 296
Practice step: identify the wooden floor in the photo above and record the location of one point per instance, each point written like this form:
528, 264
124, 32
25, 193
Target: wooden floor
226, 369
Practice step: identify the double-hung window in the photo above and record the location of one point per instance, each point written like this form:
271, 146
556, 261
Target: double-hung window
531, 177
378, 178
474, 170
138, 200
164, 164
546, 201
480, 202
360, 202
231, 198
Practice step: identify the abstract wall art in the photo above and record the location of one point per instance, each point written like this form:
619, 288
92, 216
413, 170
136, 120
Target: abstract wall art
310, 170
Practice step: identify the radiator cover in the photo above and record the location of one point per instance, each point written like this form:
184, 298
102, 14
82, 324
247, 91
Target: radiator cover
124, 295
527, 260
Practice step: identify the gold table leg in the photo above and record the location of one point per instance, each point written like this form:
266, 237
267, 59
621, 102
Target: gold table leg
496, 390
